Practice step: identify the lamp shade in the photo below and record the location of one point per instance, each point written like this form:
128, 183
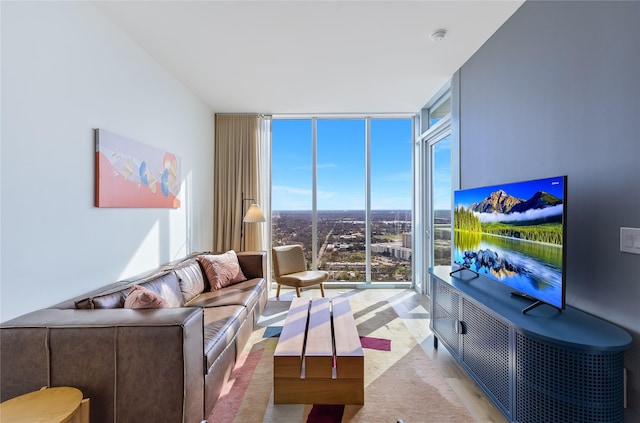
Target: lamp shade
254, 215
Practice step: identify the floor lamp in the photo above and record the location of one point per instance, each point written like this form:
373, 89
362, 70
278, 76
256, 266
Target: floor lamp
253, 215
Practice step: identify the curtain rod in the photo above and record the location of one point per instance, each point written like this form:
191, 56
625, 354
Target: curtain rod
342, 115
244, 114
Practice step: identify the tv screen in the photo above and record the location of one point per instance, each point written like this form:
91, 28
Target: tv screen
514, 233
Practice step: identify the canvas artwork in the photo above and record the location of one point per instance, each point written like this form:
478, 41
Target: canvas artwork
132, 174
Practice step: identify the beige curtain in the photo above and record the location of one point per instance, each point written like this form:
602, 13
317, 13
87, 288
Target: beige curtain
239, 169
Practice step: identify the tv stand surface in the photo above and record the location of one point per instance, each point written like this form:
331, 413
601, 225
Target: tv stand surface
539, 366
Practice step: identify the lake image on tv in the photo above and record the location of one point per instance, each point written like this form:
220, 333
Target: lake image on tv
513, 234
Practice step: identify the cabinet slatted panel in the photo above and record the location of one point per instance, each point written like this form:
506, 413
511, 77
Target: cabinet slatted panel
445, 315
570, 387
486, 351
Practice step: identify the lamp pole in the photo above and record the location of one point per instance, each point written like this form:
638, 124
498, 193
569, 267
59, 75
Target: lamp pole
242, 218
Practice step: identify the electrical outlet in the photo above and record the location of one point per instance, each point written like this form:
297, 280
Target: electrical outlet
630, 240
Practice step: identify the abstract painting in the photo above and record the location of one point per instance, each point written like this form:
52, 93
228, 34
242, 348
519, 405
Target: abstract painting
132, 174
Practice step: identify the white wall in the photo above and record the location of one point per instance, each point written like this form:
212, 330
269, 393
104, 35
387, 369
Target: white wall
67, 69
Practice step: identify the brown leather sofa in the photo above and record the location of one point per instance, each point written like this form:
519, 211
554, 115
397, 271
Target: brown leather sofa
152, 365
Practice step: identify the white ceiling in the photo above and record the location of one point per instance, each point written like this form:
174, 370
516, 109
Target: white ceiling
290, 57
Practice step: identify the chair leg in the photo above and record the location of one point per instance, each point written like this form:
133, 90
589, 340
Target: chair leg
322, 288
278, 292
297, 291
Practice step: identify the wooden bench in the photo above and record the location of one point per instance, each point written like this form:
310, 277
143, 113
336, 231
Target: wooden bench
319, 357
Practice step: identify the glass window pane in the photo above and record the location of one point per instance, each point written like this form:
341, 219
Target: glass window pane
441, 200
391, 187
341, 198
340, 190
291, 183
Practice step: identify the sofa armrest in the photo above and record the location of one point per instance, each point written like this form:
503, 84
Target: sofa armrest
253, 263
112, 356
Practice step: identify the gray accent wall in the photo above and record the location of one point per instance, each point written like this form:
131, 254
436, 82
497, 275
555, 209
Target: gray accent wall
556, 91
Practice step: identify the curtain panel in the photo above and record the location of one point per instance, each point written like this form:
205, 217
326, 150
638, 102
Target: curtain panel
239, 172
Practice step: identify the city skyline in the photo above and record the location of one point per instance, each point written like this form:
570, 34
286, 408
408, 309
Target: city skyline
341, 242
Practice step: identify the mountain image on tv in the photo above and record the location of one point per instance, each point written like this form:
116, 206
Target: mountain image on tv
514, 233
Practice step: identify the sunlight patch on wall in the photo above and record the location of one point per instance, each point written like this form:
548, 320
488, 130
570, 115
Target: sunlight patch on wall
146, 256
180, 223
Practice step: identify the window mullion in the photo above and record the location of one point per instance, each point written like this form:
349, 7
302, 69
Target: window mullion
367, 212
314, 196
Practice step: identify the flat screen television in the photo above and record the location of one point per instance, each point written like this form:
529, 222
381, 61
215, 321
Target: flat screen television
514, 233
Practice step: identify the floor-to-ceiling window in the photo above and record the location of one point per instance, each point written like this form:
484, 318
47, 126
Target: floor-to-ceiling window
342, 188
391, 205
439, 149
292, 183
341, 194
436, 170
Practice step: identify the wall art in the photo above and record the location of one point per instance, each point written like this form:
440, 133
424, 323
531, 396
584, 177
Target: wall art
132, 174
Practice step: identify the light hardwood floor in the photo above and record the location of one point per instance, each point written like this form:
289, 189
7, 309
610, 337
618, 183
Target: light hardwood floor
413, 309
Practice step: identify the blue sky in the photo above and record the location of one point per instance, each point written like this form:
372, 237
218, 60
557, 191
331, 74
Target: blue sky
523, 190
341, 164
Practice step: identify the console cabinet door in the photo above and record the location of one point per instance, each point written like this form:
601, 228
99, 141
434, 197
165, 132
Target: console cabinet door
485, 352
571, 386
446, 314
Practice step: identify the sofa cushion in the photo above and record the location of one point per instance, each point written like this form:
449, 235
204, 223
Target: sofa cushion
166, 285
244, 293
220, 326
253, 263
190, 278
141, 297
222, 269
83, 301
114, 299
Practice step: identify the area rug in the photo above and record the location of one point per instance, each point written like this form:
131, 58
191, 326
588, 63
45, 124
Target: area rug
400, 381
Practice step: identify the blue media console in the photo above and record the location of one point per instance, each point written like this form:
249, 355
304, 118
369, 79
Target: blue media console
543, 366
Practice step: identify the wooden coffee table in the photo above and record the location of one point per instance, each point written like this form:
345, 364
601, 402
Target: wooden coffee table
48, 405
319, 357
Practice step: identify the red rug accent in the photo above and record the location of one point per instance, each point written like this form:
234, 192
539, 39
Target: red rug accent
372, 343
234, 390
326, 414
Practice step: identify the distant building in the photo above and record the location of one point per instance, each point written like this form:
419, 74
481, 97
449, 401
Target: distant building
406, 240
333, 266
393, 250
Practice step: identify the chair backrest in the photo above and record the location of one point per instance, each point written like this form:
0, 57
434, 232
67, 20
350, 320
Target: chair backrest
288, 259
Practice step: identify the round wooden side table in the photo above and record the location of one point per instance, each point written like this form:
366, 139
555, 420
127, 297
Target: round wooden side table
48, 405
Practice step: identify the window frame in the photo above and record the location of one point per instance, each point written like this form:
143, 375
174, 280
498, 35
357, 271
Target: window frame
368, 283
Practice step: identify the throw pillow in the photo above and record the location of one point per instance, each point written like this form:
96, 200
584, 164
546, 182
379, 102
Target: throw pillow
141, 297
222, 269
